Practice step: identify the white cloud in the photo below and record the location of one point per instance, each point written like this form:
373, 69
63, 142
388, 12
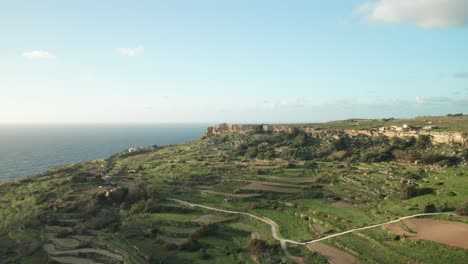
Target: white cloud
39, 54
130, 51
420, 99
422, 13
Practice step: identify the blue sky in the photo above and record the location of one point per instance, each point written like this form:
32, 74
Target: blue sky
231, 61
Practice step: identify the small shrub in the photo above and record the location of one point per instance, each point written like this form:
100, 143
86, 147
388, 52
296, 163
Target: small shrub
429, 208
119, 195
445, 207
407, 191
202, 254
171, 246
314, 258
190, 245
462, 209
257, 247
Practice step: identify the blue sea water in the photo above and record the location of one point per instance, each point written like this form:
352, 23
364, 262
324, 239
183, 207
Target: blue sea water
31, 149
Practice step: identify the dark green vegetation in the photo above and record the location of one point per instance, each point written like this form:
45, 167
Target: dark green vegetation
310, 186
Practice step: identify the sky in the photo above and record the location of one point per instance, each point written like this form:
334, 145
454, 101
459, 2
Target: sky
242, 61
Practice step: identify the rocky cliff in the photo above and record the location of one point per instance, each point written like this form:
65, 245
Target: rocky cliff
437, 137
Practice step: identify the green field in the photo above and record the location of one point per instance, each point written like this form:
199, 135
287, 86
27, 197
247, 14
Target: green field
311, 187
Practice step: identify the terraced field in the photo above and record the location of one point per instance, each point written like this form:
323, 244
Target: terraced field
120, 213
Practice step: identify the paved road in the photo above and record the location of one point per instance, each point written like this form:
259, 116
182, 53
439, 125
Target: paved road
283, 241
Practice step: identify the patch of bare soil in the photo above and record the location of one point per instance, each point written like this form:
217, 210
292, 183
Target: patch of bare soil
261, 187
51, 250
277, 184
334, 255
454, 234
342, 204
233, 195
95, 190
172, 240
397, 229
318, 228
210, 219
69, 243
270, 183
290, 179
58, 229
83, 238
257, 235
73, 260
204, 187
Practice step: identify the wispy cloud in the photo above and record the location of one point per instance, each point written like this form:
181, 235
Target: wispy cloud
441, 100
39, 54
422, 13
461, 75
130, 52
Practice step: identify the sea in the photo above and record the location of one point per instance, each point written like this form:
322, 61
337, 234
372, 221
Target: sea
27, 150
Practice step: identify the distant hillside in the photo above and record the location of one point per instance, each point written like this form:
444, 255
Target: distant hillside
447, 130
440, 123
251, 194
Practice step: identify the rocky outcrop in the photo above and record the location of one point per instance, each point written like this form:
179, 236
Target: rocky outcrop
449, 137
223, 128
437, 137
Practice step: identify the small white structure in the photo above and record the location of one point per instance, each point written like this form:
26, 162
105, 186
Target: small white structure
136, 149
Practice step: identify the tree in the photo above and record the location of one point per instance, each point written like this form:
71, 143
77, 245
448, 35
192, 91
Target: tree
259, 129
251, 152
342, 143
303, 153
445, 207
401, 143
119, 195
190, 245
314, 258
407, 191
423, 141
429, 208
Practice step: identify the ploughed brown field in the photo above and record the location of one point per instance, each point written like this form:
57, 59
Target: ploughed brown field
454, 234
334, 255
342, 204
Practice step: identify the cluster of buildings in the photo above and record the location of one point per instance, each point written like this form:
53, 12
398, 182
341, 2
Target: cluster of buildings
404, 127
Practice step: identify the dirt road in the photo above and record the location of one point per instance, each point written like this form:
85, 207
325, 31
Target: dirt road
283, 241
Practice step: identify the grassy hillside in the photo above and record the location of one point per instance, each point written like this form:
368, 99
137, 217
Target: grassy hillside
452, 122
311, 187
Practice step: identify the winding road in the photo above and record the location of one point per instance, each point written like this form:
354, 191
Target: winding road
283, 241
